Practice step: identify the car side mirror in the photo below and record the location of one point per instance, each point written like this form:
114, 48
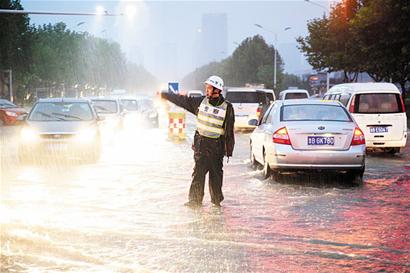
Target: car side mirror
253, 122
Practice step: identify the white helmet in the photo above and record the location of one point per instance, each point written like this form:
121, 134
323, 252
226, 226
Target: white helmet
216, 82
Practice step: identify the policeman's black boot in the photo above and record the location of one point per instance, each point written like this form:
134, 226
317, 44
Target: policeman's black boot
193, 204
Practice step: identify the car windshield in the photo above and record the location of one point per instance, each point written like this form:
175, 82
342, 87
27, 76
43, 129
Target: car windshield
6, 104
316, 112
244, 97
61, 111
105, 106
378, 103
130, 105
291, 96
146, 104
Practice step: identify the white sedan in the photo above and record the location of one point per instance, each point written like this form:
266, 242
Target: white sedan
307, 134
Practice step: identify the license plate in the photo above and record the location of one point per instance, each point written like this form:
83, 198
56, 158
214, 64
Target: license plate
319, 140
57, 147
379, 130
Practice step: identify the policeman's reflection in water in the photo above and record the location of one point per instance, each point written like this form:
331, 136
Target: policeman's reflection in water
214, 138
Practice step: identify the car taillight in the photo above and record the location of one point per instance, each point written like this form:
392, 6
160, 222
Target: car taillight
281, 136
403, 108
351, 108
258, 111
358, 137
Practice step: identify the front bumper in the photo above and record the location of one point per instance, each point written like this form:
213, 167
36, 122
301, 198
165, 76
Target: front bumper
49, 148
285, 157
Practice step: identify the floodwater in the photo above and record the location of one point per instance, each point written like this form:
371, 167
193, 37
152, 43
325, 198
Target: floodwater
125, 213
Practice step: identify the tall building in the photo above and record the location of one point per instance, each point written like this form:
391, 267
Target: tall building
212, 42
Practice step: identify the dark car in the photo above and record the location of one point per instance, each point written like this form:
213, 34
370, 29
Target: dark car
10, 113
139, 111
60, 126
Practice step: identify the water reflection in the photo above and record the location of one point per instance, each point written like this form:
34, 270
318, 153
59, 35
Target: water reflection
125, 214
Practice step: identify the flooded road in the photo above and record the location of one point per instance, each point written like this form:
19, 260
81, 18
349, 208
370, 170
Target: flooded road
125, 214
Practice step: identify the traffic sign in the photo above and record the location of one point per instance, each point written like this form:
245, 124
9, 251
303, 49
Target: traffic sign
173, 87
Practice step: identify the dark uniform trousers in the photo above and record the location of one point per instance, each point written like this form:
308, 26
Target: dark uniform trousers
208, 155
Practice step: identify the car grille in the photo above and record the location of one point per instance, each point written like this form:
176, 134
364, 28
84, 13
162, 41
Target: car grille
56, 136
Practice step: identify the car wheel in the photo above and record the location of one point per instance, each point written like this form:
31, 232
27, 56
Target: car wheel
254, 163
356, 176
276, 175
23, 158
266, 168
93, 155
394, 151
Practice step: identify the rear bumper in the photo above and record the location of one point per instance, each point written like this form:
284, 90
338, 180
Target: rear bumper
286, 157
379, 143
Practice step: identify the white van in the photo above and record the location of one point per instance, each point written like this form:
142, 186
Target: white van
195, 93
269, 94
289, 94
378, 109
246, 104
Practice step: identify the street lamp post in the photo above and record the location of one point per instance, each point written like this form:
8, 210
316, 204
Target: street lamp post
326, 10
275, 53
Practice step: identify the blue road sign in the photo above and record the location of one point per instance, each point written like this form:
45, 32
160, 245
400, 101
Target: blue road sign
173, 87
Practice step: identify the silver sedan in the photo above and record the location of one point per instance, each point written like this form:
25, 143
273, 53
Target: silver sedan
306, 134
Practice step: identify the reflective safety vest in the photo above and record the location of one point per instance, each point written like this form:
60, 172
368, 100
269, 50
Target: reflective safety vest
210, 119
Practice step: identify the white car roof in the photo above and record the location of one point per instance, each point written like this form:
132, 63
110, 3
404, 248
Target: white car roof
68, 100
373, 87
308, 101
294, 91
266, 90
240, 89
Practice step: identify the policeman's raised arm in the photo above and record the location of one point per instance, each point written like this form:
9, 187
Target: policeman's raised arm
190, 104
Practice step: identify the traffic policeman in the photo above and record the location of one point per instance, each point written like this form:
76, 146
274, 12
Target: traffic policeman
214, 138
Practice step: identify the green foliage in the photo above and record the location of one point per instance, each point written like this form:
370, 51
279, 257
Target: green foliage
362, 36
53, 56
250, 63
15, 43
382, 31
292, 80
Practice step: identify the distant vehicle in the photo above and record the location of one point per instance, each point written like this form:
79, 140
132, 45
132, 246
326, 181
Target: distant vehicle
308, 135
10, 113
195, 93
379, 110
60, 126
139, 111
111, 110
290, 94
269, 94
246, 103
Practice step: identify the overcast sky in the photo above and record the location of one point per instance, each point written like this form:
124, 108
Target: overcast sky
169, 28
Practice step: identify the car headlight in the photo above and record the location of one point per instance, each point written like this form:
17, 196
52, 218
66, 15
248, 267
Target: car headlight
86, 135
28, 134
11, 114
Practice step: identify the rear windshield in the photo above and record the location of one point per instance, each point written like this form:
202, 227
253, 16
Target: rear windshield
245, 97
292, 96
314, 112
270, 96
105, 106
378, 103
